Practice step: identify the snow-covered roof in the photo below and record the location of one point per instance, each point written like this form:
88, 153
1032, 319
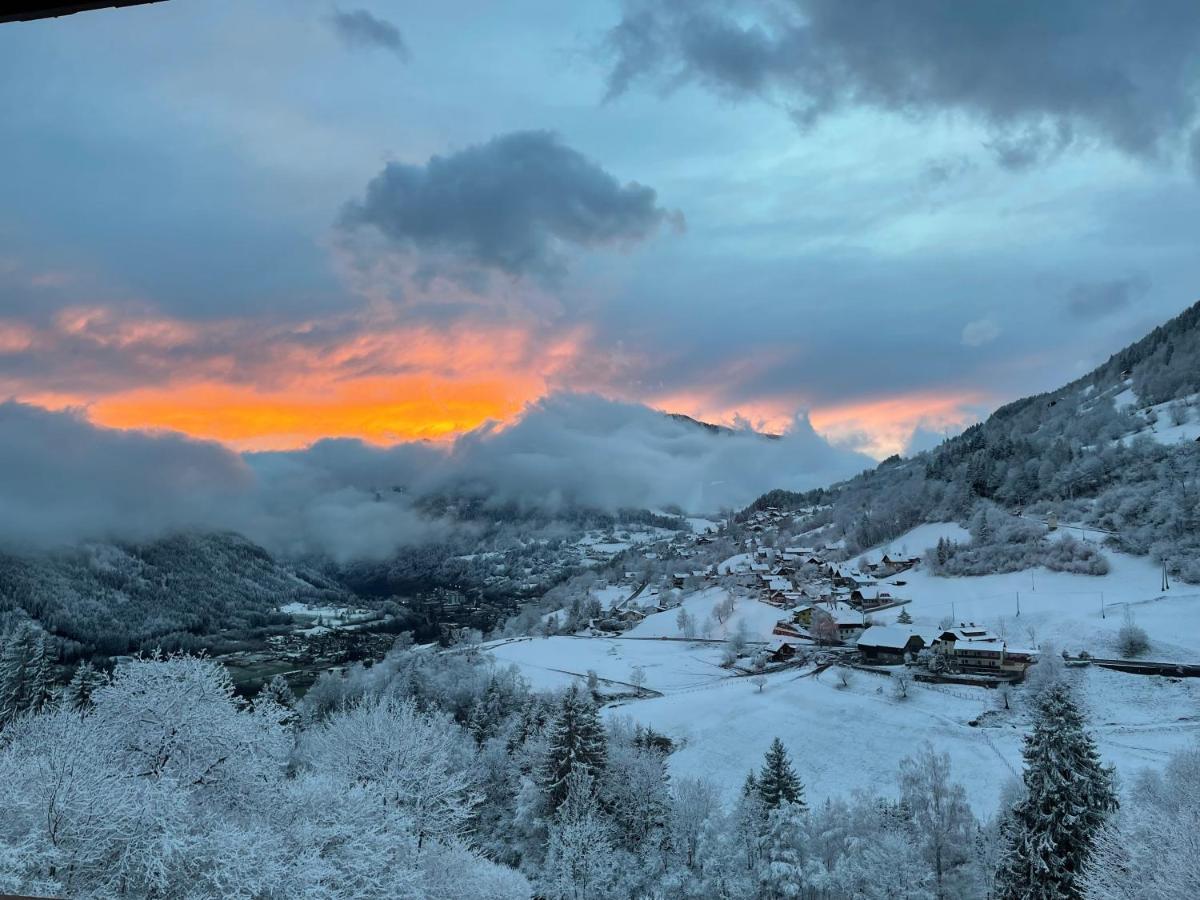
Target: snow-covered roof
893, 637
842, 613
971, 632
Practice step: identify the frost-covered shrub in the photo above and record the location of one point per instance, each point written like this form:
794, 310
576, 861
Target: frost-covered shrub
1132, 639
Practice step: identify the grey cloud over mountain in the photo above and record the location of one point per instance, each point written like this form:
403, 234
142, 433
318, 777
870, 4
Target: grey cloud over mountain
64, 480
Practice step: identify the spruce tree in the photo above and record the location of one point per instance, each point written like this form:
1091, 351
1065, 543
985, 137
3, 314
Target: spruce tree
904, 618
1068, 794
78, 693
26, 677
576, 744
777, 782
280, 691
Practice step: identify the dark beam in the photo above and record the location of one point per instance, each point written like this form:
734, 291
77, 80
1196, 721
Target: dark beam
26, 10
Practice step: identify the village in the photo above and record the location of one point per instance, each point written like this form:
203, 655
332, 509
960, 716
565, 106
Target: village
827, 605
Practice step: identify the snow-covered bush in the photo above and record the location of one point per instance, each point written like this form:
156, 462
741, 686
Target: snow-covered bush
1132, 639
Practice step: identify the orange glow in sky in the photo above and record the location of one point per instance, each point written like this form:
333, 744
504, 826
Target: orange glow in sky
887, 423
257, 388
378, 410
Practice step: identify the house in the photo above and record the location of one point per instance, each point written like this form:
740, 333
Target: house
889, 644
898, 564
991, 658
781, 649
970, 648
881, 600
848, 620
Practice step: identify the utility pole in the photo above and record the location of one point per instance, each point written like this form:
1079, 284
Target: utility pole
1166, 585
1102, 605
1018, 604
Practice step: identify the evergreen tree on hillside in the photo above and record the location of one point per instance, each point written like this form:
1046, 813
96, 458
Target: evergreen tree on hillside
777, 782
904, 618
576, 744
783, 853
26, 673
280, 691
1068, 795
77, 695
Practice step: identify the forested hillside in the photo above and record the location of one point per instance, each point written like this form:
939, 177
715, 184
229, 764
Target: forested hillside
1115, 449
183, 592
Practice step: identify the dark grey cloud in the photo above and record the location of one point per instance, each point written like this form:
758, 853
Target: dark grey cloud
1092, 299
358, 28
1040, 75
515, 205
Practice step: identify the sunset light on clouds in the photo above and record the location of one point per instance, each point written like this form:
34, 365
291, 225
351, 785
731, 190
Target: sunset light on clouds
316, 240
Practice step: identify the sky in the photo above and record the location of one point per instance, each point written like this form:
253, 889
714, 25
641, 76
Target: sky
269, 224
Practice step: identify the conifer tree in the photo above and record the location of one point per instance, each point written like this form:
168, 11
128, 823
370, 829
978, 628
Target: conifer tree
777, 782
904, 618
78, 693
1068, 794
280, 691
26, 678
576, 743
783, 858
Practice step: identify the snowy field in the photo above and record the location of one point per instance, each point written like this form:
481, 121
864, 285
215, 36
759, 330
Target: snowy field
1056, 607
848, 738
670, 666
843, 739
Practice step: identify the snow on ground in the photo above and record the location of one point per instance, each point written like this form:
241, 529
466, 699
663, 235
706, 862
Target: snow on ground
555, 662
920, 539
731, 565
842, 739
759, 617
1062, 608
702, 526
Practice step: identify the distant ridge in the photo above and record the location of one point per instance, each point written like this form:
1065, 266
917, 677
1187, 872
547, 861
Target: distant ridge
716, 429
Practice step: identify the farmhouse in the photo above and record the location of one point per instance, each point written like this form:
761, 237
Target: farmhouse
848, 620
888, 644
781, 649
970, 648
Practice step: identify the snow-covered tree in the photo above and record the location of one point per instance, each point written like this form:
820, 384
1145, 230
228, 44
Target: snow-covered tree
579, 856
26, 673
279, 691
412, 762
777, 781
783, 872
77, 695
1068, 795
1150, 850
576, 742
942, 819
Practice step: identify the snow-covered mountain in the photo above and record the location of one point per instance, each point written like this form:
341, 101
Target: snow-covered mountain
1116, 449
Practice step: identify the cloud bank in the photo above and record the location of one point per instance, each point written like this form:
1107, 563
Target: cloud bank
64, 480
1039, 76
